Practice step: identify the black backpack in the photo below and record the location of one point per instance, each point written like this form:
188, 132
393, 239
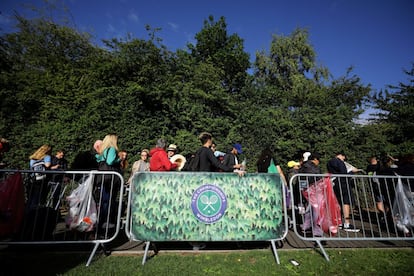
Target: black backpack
193, 162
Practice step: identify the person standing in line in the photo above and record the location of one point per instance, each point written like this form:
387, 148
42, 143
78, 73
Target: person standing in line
159, 159
294, 169
219, 154
264, 161
59, 162
171, 150
207, 162
230, 159
305, 157
108, 153
108, 160
4, 147
123, 163
141, 165
374, 168
311, 166
42, 153
40, 160
342, 189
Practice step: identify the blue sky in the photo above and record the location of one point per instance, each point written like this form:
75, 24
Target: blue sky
375, 37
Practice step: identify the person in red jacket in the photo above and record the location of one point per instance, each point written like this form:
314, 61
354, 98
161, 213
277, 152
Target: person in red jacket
159, 159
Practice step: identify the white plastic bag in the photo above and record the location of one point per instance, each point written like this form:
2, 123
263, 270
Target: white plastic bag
82, 207
403, 207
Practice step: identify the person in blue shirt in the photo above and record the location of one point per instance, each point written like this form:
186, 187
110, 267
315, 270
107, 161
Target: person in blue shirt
40, 161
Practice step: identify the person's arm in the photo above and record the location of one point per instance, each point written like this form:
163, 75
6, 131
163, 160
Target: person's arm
216, 163
166, 163
226, 160
282, 175
48, 161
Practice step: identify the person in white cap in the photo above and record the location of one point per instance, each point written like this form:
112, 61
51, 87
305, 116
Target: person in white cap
306, 156
171, 150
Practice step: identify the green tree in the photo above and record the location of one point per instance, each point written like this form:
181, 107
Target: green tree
396, 114
295, 107
42, 83
215, 46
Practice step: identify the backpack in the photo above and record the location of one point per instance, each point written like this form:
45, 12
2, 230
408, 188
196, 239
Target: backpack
195, 162
272, 167
39, 166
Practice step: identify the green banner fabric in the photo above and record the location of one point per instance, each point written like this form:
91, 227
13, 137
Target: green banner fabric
198, 206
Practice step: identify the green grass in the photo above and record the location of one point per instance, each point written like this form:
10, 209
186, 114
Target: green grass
251, 262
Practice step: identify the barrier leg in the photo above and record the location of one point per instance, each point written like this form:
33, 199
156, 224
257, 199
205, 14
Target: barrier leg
275, 251
323, 250
147, 244
92, 254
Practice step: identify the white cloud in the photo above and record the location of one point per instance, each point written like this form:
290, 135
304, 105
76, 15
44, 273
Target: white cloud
173, 26
111, 28
132, 16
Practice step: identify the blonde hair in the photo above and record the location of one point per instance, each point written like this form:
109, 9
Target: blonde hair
41, 152
110, 140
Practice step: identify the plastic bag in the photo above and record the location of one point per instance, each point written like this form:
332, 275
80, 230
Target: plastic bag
403, 207
82, 207
321, 196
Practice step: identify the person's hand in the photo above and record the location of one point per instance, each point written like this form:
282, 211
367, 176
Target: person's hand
240, 173
237, 166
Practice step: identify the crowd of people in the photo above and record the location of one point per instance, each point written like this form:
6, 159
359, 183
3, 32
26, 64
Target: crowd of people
108, 157
384, 190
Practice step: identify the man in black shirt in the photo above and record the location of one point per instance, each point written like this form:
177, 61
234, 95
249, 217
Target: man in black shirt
205, 161
342, 189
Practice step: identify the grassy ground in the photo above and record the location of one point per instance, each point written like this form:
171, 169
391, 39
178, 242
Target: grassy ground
251, 262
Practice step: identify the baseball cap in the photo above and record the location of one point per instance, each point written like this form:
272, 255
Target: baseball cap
306, 156
292, 163
238, 147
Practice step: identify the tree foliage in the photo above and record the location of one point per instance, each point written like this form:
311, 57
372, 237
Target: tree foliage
396, 113
57, 87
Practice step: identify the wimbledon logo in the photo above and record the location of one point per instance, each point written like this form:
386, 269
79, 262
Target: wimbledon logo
208, 203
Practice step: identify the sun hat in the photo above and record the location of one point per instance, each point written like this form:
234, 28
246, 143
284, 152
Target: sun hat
172, 147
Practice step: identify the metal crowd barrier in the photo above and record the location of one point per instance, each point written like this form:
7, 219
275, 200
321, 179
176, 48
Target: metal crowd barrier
35, 208
314, 208
199, 207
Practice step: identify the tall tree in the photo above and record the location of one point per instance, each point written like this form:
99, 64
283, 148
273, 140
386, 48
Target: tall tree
43, 84
293, 103
215, 46
396, 113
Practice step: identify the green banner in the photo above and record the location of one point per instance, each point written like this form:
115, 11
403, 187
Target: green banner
187, 206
